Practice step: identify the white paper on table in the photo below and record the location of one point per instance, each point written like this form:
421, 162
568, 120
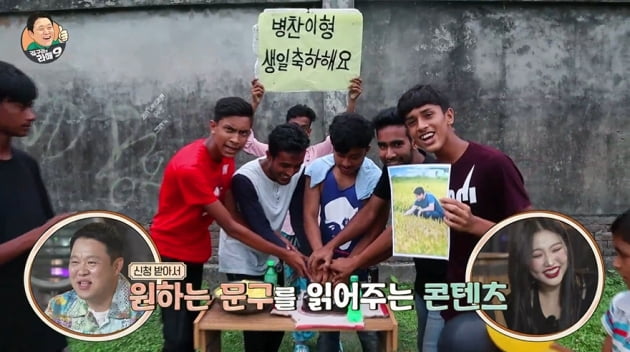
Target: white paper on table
306, 320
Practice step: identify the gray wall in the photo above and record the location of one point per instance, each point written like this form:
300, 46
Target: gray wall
548, 84
545, 82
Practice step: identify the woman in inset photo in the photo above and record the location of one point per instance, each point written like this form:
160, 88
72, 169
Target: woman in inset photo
547, 293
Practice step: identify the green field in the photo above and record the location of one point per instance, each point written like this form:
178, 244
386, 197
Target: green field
415, 234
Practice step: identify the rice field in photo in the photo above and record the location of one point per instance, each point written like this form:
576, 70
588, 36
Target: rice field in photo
413, 234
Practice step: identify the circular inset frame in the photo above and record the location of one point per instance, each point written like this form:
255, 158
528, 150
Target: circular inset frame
133, 225
592, 244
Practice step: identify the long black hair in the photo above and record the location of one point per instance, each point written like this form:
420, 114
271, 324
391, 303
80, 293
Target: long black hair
523, 286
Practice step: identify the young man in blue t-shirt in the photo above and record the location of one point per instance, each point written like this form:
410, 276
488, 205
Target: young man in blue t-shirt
337, 186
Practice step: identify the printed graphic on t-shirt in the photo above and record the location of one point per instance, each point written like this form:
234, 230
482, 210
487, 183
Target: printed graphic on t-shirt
337, 215
465, 194
418, 226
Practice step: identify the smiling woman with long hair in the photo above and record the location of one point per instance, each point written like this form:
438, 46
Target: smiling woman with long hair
546, 293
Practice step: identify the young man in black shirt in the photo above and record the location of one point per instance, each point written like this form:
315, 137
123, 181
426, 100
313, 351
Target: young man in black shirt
25, 213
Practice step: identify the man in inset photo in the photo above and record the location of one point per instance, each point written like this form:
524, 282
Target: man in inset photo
426, 205
99, 300
40, 28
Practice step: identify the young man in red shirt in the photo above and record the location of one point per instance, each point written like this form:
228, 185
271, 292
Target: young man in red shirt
194, 193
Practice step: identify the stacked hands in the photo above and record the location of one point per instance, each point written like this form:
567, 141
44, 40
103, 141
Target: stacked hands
324, 268
320, 267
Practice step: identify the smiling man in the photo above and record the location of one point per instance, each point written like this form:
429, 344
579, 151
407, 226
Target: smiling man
40, 28
395, 147
99, 300
264, 191
485, 188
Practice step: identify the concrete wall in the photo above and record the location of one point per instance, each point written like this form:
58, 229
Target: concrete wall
545, 82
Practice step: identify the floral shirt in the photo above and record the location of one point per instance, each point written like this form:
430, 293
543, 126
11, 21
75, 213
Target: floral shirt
616, 322
70, 311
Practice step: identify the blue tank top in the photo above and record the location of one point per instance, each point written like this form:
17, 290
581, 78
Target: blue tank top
337, 207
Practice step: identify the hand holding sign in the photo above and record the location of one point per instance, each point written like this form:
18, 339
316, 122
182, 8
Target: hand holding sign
354, 91
258, 91
63, 35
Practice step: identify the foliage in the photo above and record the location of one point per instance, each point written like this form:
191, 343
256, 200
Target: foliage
590, 336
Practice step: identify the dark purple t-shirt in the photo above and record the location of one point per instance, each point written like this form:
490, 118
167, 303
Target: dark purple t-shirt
488, 181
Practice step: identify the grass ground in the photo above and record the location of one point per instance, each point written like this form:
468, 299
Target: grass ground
589, 337
149, 337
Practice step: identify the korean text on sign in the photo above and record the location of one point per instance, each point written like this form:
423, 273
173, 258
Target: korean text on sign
309, 50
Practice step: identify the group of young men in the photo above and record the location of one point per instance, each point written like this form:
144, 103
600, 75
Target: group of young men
337, 198
338, 201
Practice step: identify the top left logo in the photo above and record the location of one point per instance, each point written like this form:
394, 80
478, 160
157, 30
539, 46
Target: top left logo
43, 40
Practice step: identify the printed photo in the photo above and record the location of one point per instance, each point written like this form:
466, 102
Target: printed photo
418, 223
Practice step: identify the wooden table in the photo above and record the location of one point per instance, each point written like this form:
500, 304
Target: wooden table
210, 323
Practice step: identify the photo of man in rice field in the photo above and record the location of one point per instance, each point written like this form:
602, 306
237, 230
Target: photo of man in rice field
417, 215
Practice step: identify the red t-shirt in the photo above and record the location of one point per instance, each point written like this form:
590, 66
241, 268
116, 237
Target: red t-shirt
191, 181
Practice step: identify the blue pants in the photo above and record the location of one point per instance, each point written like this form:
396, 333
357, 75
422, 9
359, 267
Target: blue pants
466, 333
435, 215
430, 324
292, 279
329, 341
